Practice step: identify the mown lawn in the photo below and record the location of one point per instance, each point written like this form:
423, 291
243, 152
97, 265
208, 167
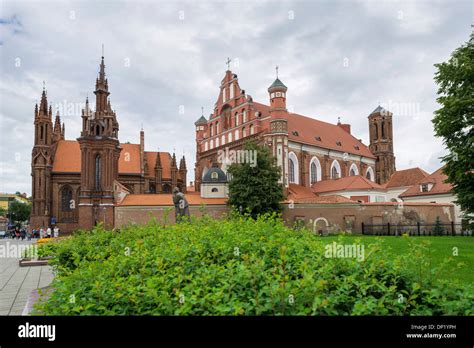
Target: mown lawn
440, 248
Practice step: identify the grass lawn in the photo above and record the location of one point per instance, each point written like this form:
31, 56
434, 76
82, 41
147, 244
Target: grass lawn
440, 248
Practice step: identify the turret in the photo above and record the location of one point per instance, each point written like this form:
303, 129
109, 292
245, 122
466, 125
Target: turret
58, 131
277, 93
174, 171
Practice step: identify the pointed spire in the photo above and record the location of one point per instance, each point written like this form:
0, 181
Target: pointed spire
173, 161
57, 123
63, 131
158, 160
44, 101
182, 163
102, 69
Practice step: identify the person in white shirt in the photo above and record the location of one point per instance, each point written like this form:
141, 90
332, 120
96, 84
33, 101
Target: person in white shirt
42, 233
56, 232
48, 232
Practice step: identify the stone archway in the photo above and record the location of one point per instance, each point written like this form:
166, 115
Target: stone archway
321, 226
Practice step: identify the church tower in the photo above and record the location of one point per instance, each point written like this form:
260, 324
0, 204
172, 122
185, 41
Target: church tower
41, 164
381, 143
277, 139
100, 152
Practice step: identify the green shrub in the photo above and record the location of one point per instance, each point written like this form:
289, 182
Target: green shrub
238, 266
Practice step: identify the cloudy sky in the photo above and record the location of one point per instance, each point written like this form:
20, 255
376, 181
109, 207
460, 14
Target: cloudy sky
164, 60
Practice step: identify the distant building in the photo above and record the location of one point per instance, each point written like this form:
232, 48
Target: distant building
402, 180
7, 198
433, 189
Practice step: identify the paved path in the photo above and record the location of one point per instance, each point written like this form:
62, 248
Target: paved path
16, 283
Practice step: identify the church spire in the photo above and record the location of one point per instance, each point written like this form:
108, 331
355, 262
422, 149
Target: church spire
101, 90
43, 109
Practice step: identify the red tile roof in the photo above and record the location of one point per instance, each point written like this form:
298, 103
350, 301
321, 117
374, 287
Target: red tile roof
309, 128
68, 159
165, 159
437, 178
348, 183
406, 177
302, 194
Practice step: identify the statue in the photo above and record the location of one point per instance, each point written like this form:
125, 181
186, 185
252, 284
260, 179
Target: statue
181, 205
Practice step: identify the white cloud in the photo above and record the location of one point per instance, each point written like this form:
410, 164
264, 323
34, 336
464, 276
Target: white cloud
163, 55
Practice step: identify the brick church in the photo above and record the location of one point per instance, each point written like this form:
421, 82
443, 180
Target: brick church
307, 150
77, 183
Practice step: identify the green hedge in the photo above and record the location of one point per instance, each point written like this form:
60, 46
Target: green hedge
238, 266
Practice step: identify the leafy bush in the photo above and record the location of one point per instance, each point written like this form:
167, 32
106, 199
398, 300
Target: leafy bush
238, 266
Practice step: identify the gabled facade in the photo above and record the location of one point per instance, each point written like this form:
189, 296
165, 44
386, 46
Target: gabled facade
306, 149
77, 183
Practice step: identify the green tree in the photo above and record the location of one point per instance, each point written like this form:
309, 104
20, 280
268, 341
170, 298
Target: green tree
254, 186
3, 211
19, 211
454, 122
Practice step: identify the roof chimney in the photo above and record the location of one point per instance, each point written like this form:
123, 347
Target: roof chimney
345, 126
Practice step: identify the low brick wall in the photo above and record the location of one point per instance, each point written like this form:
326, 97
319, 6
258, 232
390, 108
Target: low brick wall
316, 217
349, 217
125, 215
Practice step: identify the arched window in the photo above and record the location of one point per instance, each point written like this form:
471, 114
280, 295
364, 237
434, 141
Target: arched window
383, 129
217, 142
335, 170
152, 188
293, 174
251, 129
97, 130
244, 132
236, 119
236, 134
206, 146
217, 127
376, 131
212, 129
214, 189
353, 170
166, 188
315, 170
369, 174
98, 169
291, 171
223, 140
244, 116
211, 144
229, 137
66, 199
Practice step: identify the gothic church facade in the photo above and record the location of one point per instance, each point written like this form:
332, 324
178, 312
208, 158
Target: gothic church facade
77, 183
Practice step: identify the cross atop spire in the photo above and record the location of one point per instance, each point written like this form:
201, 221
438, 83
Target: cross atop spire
202, 110
102, 50
228, 63
276, 69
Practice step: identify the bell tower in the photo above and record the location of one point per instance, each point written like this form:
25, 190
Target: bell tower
381, 143
100, 153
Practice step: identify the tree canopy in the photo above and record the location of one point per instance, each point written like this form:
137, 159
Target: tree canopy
255, 186
454, 122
